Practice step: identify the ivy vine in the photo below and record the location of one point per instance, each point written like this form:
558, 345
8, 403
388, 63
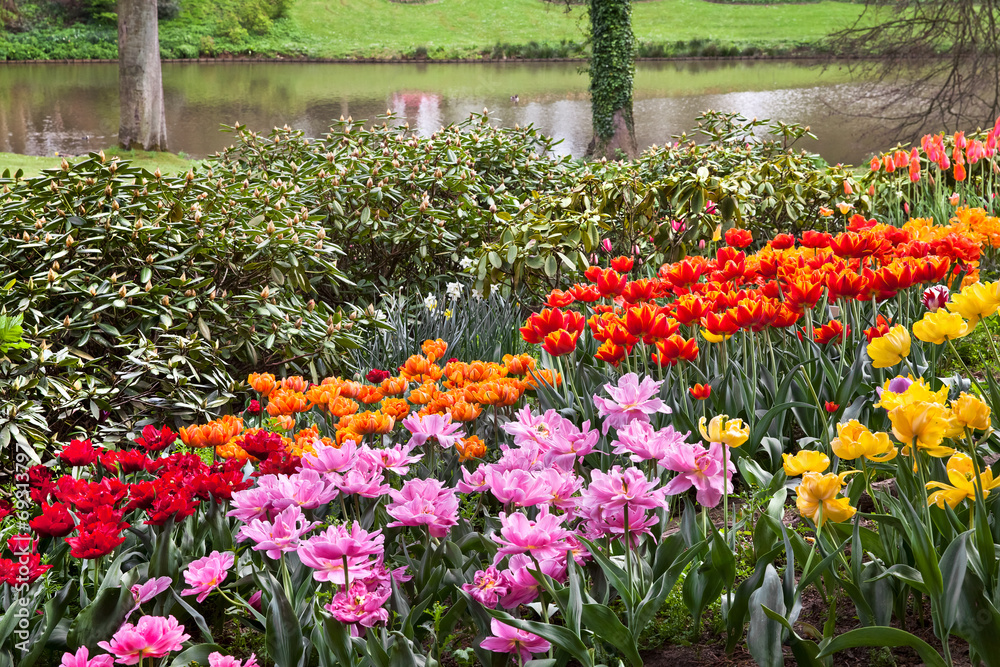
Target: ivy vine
611, 64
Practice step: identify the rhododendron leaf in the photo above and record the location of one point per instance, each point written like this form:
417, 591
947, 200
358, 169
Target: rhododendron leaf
605, 624
198, 653
882, 636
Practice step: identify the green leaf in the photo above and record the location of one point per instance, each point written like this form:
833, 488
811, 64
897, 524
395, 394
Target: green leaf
764, 636
198, 653
604, 623
882, 636
282, 632
550, 266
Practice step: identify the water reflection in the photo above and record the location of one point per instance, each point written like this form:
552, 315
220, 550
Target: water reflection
71, 109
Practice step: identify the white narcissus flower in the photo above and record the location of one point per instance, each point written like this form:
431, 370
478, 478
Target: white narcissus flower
430, 302
454, 290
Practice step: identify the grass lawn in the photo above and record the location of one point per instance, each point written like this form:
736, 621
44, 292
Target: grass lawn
168, 163
338, 28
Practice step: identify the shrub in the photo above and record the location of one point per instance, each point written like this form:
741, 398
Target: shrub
156, 292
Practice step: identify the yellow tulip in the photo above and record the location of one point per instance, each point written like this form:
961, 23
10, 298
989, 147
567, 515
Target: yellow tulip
854, 440
917, 392
974, 302
939, 326
807, 460
925, 424
714, 338
732, 432
962, 475
890, 349
816, 498
971, 412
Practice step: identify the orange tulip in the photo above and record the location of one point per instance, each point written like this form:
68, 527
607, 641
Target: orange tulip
470, 448
366, 423
397, 408
434, 349
420, 368
341, 407
464, 412
213, 434
286, 402
262, 383
321, 395
370, 394
559, 343
393, 386
294, 383
518, 365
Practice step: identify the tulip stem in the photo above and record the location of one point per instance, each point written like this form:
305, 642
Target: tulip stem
971, 377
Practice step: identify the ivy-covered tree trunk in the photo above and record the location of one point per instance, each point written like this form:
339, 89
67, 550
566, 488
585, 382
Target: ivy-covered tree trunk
142, 121
611, 71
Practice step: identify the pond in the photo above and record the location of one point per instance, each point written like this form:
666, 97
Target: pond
71, 109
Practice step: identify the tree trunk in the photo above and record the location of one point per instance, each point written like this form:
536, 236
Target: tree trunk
140, 85
611, 72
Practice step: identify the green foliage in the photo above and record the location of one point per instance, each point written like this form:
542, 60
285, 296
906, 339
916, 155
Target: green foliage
152, 294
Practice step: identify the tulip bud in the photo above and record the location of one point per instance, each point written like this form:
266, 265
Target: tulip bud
211, 295
92, 290
114, 277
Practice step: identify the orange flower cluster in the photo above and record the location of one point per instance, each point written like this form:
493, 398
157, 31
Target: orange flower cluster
213, 434
462, 390
772, 288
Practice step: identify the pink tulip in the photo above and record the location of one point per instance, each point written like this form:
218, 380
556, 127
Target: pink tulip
522, 586
508, 639
251, 504
151, 637
216, 659
605, 245
206, 574
699, 468
439, 427
279, 536
360, 605
630, 400
396, 459
424, 502
79, 659
147, 591
519, 488
644, 444
487, 587
327, 552
331, 459
543, 538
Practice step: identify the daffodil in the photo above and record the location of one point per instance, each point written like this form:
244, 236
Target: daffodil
817, 498
962, 475
854, 440
971, 412
939, 326
807, 460
732, 432
924, 425
890, 349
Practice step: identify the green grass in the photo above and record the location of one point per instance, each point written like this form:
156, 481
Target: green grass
167, 163
367, 28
